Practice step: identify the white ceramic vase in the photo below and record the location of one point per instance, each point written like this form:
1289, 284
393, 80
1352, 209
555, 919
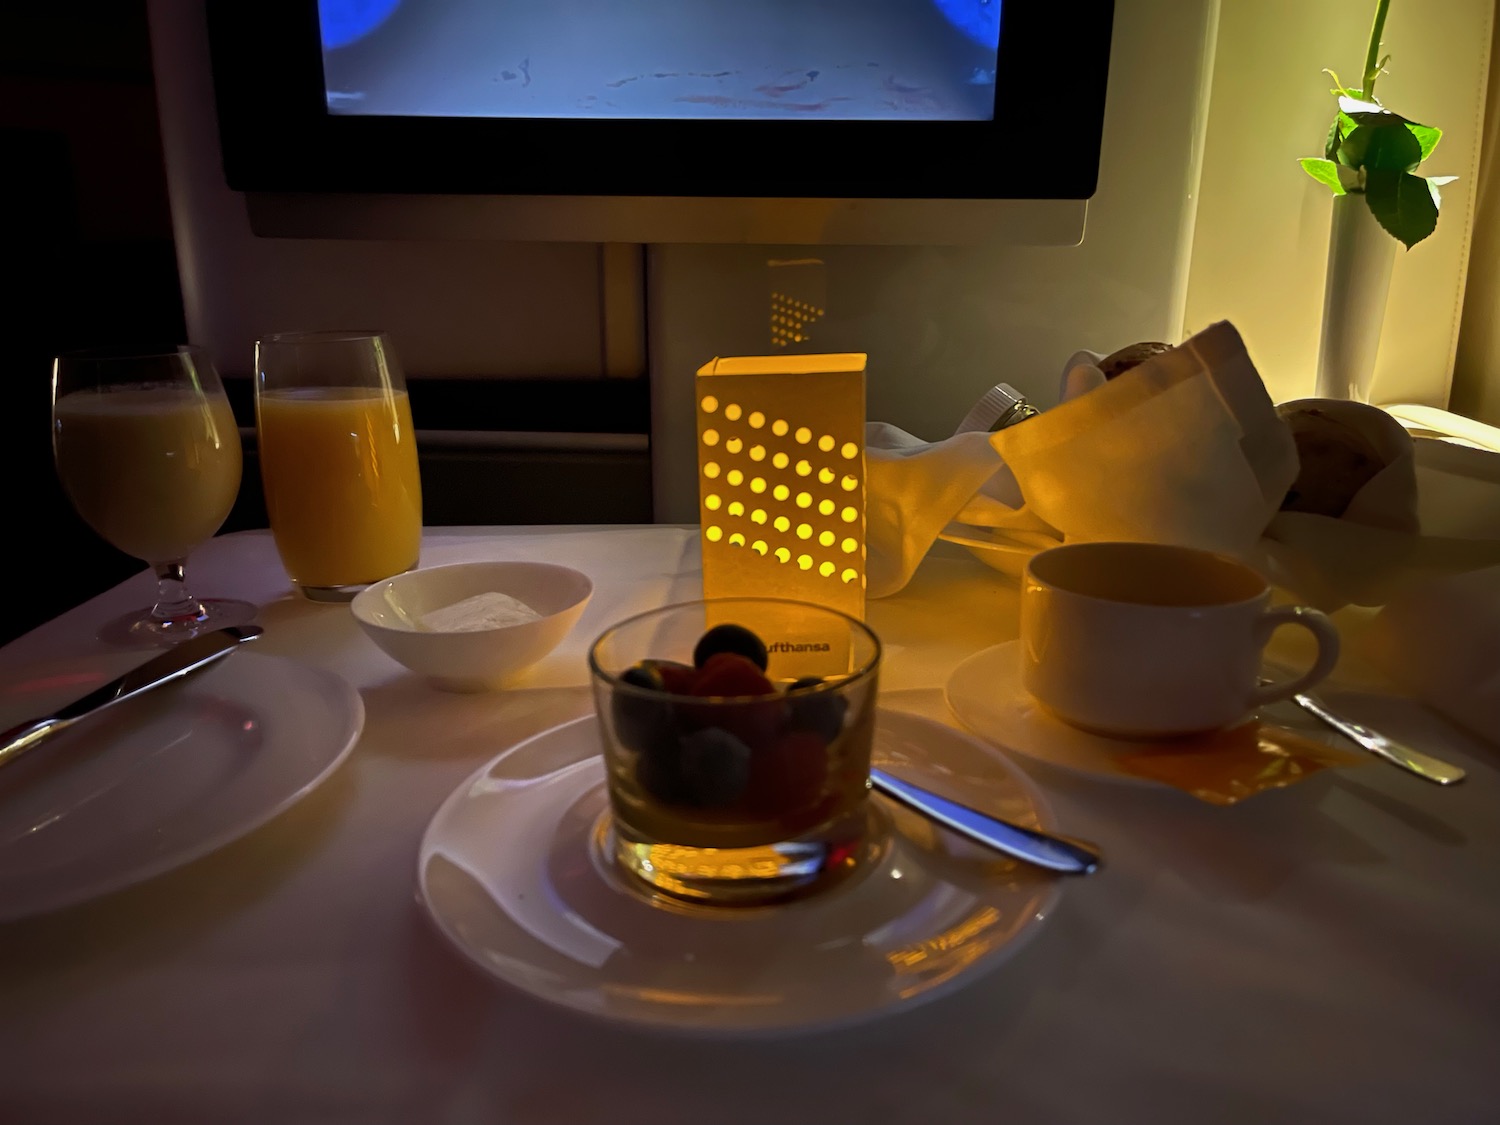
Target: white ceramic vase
1360, 258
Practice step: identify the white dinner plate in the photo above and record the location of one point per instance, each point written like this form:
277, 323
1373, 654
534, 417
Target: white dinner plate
985, 693
511, 871
158, 781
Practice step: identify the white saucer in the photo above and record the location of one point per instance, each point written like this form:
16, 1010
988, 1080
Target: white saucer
510, 871
1006, 552
985, 693
156, 782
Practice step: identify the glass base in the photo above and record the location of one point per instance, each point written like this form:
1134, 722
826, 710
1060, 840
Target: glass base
751, 876
142, 629
335, 594
342, 594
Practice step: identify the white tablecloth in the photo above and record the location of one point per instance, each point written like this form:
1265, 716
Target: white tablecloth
1326, 954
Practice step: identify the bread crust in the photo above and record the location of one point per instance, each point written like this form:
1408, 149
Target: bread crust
1132, 355
1335, 461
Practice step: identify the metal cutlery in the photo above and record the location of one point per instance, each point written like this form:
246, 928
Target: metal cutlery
1382, 746
1056, 853
180, 660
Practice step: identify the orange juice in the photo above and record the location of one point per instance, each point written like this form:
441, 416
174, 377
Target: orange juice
152, 469
339, 466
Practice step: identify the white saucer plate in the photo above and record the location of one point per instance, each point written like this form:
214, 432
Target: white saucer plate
156, 782
986, 695
1006, 552
511, 871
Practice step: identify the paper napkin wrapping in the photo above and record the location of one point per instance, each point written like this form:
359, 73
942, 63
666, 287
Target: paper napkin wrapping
1186, 448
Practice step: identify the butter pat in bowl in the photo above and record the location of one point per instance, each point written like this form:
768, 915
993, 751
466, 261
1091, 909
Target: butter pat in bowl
473, 626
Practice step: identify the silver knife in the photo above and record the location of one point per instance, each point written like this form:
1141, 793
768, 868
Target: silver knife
178, 661
1413, 761
1073, 857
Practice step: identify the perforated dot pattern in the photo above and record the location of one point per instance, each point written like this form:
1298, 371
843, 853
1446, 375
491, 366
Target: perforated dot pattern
802, 479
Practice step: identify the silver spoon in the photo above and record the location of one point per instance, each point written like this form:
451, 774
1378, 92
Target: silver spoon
1382, 746
1056, 853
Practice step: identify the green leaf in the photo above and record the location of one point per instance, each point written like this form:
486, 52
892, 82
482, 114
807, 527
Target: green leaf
1405, 205
1382, 147
1436, 182
1352, 106
1335, 138
1427, 135
1371, 113
1326, 172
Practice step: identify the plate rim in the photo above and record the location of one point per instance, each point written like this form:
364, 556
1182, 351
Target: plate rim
1050, 893
352, 728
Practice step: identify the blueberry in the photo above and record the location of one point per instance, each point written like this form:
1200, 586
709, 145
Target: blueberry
731, 638
643, 675
715, 768
642, 721
820, 712
658, 771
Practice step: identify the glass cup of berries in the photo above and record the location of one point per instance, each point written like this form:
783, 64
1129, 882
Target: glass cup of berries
737, 738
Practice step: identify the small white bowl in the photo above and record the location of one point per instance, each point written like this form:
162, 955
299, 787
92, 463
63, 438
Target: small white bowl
485, 658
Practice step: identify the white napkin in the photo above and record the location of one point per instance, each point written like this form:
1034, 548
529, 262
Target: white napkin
1429, 512
1186, 448
1440, 640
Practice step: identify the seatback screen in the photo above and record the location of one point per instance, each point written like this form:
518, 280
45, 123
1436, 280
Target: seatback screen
836, 60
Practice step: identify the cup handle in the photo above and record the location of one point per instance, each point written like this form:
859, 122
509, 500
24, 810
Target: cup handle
1315, 623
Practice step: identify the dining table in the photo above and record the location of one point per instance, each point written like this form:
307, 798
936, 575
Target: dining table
1325, 953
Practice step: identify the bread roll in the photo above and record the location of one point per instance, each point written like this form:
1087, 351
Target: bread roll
1336, 461
1117, 363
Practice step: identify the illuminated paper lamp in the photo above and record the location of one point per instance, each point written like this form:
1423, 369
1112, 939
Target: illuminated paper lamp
781, 480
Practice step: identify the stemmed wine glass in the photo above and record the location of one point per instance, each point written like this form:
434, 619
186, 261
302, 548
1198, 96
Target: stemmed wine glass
149, 454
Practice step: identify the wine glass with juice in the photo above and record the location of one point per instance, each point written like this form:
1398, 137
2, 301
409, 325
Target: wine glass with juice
149, 454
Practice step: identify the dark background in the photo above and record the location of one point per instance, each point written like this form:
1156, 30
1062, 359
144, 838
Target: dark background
90, 264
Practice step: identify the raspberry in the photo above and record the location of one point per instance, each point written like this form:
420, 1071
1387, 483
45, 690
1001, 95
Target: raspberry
787, 775
728, 673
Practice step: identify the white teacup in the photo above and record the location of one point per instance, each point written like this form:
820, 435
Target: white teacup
1141, 640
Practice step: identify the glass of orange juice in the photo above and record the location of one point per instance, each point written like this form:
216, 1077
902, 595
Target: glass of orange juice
148, 452
338, 459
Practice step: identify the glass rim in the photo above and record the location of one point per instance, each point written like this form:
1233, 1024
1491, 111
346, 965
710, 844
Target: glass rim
321, 336
108, 353
1216, 558
863, 672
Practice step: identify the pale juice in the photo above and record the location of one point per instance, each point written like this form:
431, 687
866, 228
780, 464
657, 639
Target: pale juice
343, 492
153, 470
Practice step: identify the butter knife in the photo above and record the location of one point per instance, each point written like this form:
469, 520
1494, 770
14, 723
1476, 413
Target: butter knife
1383, 746
1056, 853
180, 660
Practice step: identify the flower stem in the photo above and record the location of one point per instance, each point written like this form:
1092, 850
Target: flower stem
1372, 54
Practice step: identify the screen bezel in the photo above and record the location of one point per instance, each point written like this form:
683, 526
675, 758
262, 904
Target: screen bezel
278, 136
